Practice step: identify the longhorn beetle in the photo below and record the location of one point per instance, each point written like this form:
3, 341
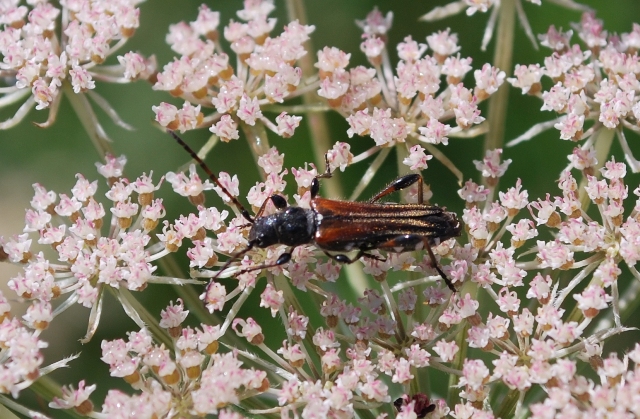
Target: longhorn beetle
343, 226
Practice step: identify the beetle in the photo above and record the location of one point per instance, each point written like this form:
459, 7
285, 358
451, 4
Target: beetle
343, 226
422, 405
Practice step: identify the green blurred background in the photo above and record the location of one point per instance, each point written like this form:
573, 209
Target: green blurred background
53, 156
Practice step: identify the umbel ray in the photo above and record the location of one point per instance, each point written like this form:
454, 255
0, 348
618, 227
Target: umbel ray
343, 226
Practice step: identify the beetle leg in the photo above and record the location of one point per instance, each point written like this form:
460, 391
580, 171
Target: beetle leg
344, 258
402, 182
436, 265
282, 259
278, 201
327, 168
376, 257
347, 260
315, 183
228, 262
404, 243
411, 242
261, 210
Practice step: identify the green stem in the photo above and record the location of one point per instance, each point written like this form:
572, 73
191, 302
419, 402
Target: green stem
4, 411
196, 307
88, 119
48, 388
188, 294
365, 414
317, 107
402, 152
290, 300
629, 302
317, 121
258, 141
509, 404
371, 171
150, 321
452, 396
502, 58
319, 133
602, 141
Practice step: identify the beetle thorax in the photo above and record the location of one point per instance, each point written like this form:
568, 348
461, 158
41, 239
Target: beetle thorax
294, 226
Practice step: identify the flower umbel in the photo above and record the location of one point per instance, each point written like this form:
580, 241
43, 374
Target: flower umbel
87, 261
21, 356
49, 50
472, 7
206, 77
594, 91
408, 106
188, 379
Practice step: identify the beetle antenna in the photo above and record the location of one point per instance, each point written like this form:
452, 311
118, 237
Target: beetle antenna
229, 261
212, 176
